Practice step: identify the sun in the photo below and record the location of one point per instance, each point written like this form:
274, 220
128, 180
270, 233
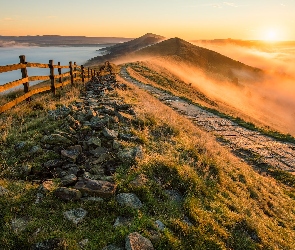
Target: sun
271, 35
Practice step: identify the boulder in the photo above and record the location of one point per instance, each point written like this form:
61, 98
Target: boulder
19, 224
94, 141
72, 153
110, 134
75, 215
174, 195
67, 194
122, 221
68, 180
160, 225
56, 139
130, 154
129, 200
135, 241
53, 163
100, 188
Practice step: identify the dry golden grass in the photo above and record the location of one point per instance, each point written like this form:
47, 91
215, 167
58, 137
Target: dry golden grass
222, 193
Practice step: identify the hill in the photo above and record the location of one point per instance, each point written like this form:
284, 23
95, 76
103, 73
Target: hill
56, 40
210, 62
123, 49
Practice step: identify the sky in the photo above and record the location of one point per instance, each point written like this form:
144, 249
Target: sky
187, 19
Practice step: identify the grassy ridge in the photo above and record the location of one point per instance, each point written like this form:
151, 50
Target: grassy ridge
224, 204
190, 94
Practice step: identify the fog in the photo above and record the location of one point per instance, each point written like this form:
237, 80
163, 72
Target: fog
269, 101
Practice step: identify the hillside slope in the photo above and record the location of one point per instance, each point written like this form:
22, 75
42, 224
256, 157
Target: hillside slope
187, 192
123, 49
208, 61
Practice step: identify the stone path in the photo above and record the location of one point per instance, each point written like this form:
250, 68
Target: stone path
243, 142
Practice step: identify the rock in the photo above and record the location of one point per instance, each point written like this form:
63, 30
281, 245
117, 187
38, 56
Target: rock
139, 181
129, 200
25, 170
3, 191
122, 221
94, 141
130, 138
97, 170
112, 247
53, 163
89, 114
73, 122
72, 153
100, 188
96, 123
94, 199
39, 197
20, 145
59, 113
56, 139
19, 224
46, 187
122, 107
68, 180
187, 221
160, 225
36, 150
99, 151
130, 154
83, 243
67, 194
51, 244
135, 241
110, 134
174, 195
75, 215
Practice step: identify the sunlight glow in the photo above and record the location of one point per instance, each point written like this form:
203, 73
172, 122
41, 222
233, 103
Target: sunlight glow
271, 35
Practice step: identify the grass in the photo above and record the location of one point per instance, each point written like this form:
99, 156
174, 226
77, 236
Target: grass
225, 204
179, 88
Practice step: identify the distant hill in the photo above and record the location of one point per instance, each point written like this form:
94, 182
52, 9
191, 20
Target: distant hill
123, 49
56, 40
178, 50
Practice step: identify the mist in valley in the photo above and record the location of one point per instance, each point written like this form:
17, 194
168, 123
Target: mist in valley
268, 101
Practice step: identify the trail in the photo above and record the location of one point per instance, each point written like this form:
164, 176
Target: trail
257, 149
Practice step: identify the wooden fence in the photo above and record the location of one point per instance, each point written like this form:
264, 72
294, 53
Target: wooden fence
75, 73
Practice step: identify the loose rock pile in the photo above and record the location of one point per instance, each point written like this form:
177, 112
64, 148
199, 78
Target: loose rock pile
90, 147
90, 141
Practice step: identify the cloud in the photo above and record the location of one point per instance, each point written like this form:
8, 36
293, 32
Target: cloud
8, 19
230, 4
214, 5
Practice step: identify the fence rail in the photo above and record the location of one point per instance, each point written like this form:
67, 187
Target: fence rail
75, 72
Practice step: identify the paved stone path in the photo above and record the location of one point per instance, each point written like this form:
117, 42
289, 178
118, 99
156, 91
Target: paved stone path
245, 143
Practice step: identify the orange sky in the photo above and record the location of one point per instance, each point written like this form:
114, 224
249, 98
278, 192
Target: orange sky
188, 19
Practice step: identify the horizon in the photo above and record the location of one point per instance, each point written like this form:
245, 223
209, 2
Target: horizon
198, 39
190, 20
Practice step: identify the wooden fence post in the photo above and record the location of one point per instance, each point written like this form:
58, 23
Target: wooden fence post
91, 73
52, 76
88, 73
75, 75
22, 59
59, 72
71, 72
82, 71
